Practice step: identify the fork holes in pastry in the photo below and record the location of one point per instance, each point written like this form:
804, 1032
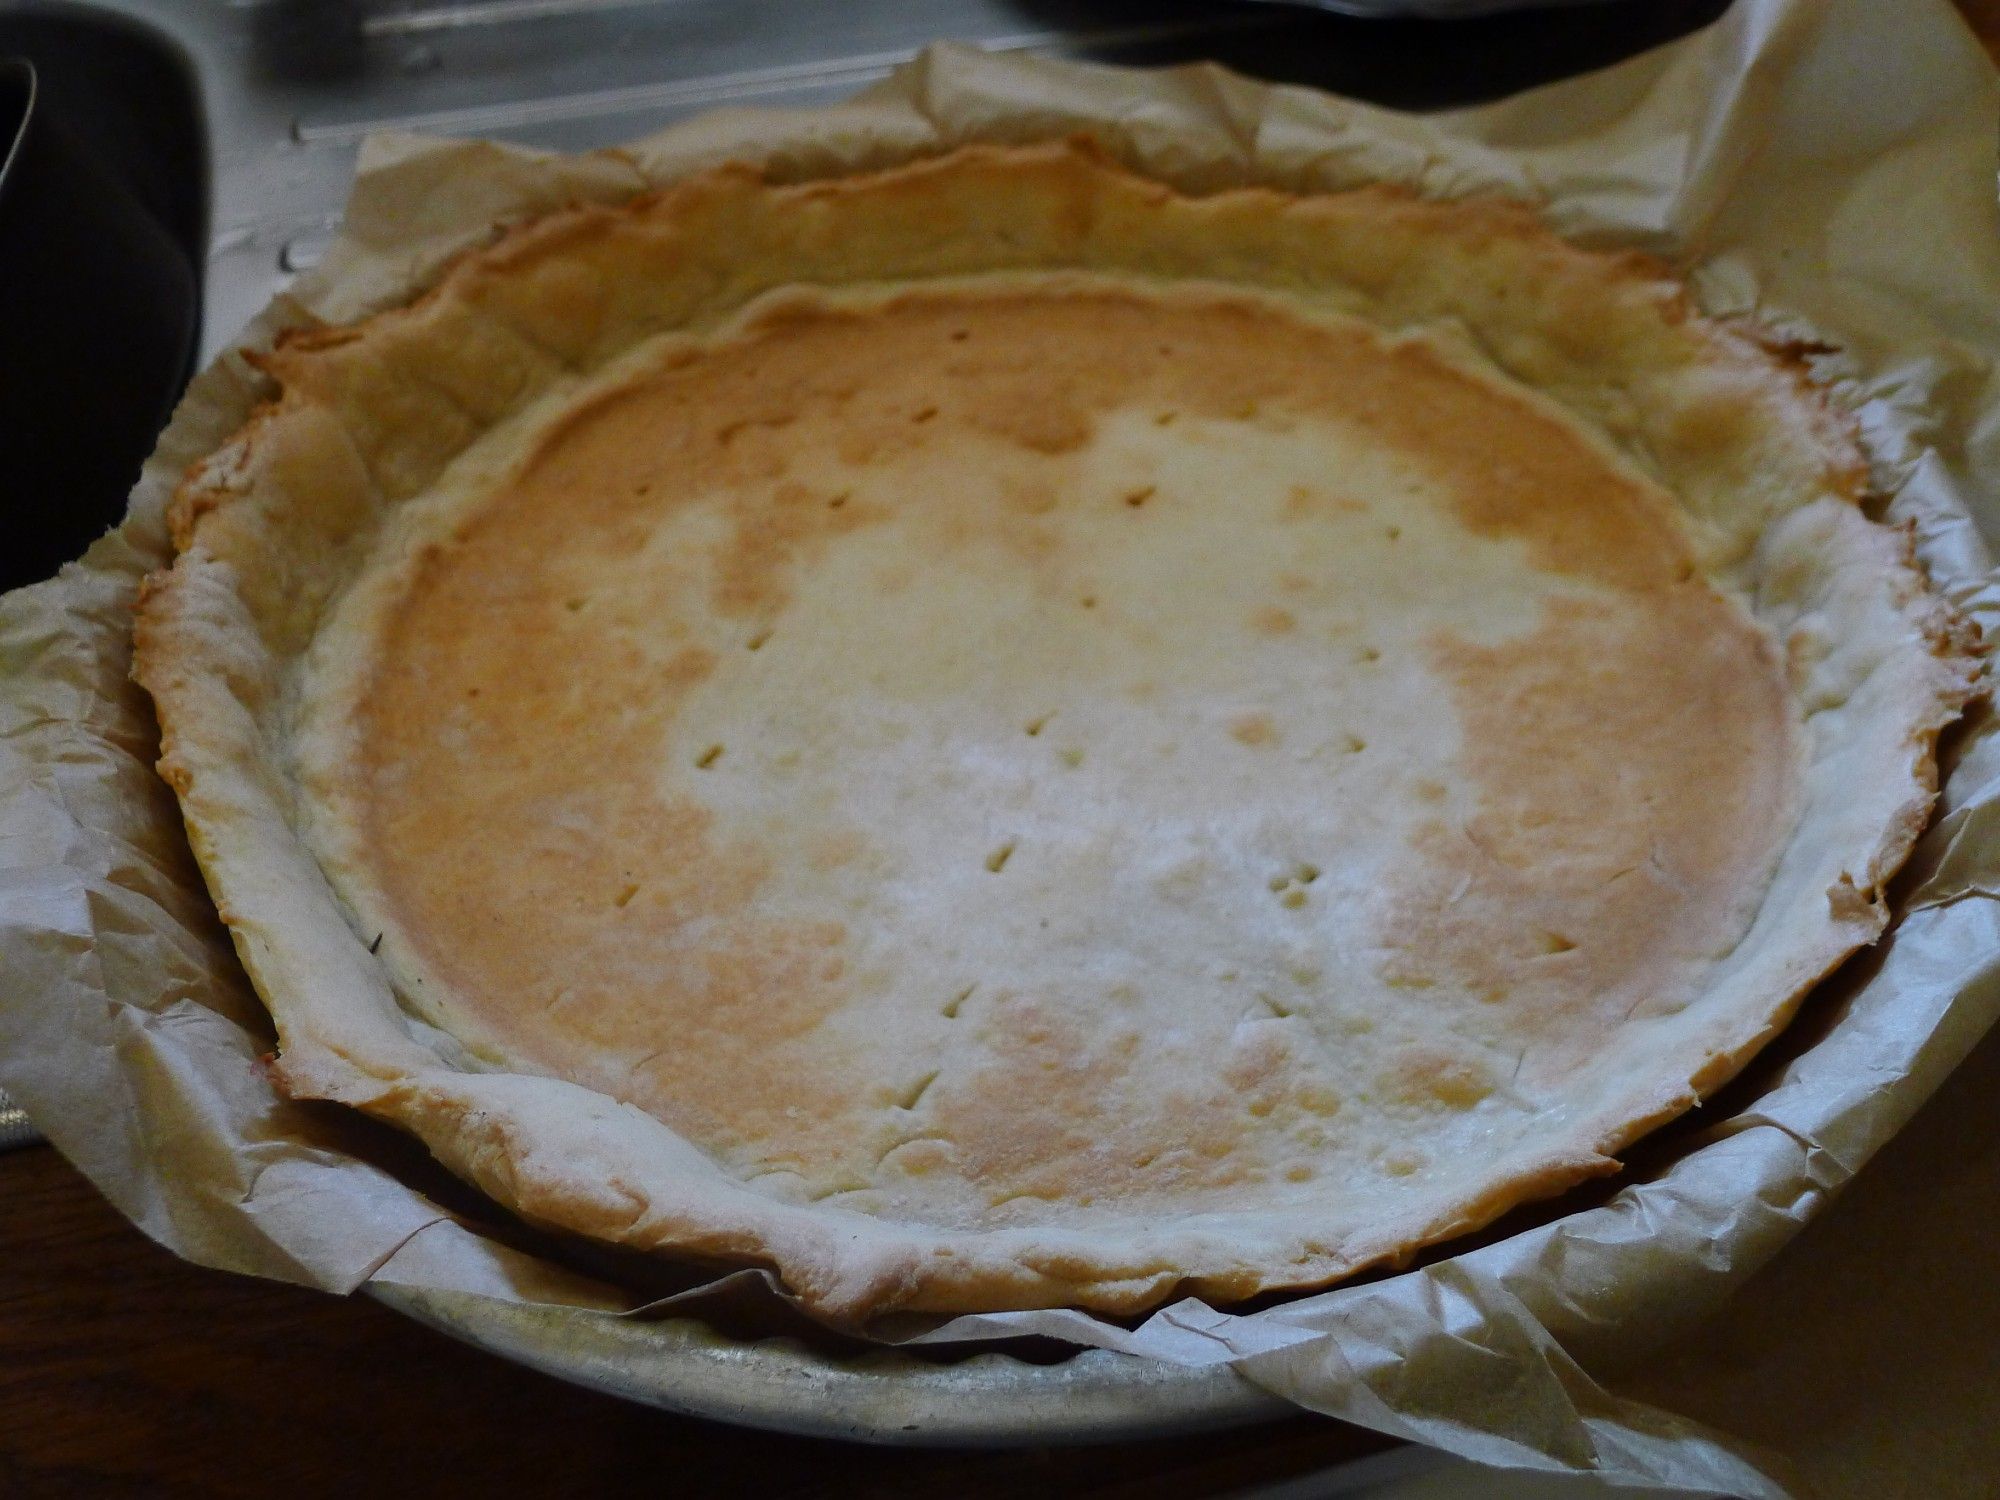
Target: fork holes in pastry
1290, 886
913, 1095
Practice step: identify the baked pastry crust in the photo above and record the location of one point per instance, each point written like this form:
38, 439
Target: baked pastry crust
989, 735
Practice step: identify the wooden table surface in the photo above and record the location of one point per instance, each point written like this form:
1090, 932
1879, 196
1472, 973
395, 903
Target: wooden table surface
125, 1371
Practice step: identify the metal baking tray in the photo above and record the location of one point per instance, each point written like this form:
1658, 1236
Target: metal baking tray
989, 1400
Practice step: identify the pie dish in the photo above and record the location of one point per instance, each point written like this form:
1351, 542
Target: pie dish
990, 735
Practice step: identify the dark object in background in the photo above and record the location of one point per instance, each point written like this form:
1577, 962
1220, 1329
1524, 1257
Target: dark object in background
1395, 53
103, 216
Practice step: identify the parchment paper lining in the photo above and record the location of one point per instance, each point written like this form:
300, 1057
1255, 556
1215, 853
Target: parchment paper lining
1829, 166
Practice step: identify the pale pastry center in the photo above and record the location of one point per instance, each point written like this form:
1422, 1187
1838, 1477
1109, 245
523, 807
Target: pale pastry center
976, 754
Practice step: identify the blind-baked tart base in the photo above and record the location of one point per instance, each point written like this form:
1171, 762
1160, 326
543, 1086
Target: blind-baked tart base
988, 735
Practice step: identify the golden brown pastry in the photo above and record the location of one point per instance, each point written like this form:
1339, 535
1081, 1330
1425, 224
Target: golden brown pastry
989, 735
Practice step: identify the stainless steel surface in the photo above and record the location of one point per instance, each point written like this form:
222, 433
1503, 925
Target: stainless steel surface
990, 1400
15, 1130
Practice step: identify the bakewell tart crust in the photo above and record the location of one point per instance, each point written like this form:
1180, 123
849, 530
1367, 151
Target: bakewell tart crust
989, 735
